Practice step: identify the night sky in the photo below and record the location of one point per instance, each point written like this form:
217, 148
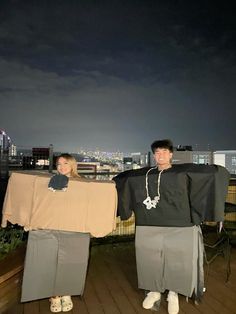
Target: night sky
118, 74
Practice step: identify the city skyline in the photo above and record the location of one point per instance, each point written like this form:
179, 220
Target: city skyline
101, 161
99, 152
79, 150
118, 74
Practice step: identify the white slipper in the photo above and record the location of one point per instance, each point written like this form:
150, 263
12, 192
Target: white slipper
66, 303
55, 306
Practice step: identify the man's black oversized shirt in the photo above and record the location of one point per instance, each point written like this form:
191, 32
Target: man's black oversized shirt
189, 195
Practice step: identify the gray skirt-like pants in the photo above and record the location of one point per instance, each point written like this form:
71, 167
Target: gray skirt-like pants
55, 264
170, 258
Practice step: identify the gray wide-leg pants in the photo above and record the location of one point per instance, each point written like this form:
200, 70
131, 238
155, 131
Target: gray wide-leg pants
170, 258
55, 264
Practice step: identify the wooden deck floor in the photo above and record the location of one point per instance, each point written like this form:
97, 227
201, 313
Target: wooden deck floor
111, 288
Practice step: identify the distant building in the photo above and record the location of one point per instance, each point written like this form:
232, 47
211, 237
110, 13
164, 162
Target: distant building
28, 162
139, 160
84, 167
96, 167
12, 150
203, 157
182, 155
127, 163
43, 157
136, 158
227, 159
5, 141
40, 152
184, 148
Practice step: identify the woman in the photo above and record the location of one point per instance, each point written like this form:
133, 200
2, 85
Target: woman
56, 261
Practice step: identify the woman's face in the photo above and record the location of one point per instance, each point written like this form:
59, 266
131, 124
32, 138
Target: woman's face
63, 167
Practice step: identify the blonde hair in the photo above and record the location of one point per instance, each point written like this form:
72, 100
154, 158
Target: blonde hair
72, 162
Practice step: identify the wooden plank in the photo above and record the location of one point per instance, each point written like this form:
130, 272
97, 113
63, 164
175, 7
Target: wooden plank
188, 307
12, 263
10, 292
11, 273
31, 307
213, 304
224, 299
79, 305
118, 299
15, 309
98, 279
91, 298
44, 306
117, 267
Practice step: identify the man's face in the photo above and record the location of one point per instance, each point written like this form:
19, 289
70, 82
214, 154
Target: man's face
162, 156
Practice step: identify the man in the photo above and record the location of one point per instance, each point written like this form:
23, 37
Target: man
170, 202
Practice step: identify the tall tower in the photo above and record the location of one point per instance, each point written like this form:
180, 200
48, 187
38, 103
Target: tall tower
5, 143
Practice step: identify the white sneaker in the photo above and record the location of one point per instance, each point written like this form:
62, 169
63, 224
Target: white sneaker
173, 302
150, 299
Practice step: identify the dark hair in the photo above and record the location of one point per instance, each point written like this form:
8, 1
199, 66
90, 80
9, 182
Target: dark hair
162, 144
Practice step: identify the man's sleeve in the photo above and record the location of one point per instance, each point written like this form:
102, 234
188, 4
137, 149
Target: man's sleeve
208, 186
124, 209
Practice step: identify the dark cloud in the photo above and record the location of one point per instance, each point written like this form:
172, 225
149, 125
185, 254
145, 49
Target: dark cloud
117, 74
